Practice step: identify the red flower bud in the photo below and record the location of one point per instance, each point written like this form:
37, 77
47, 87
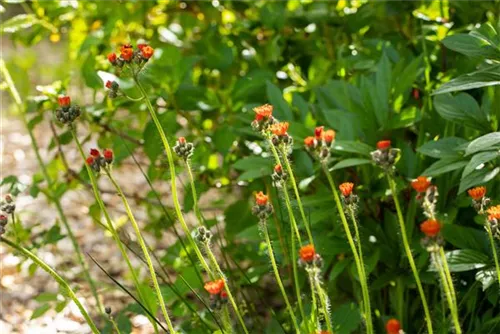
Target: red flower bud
112, 57
421, 183
182, 140
64, 101
346, 188
383, 144
477, 193
307, 253
318, 132
309, 141
141, 46
94, 152
214, 287
392, 326
147, 51
329, 136
430, 227
127, 53
108, 155
261, 199
278, 169
109, 84
416, 94
90, 160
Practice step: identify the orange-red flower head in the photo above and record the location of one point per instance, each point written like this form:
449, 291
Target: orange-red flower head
214, 287
421, 183
108, 155
127, 53
309, 141
392, 326
112, 57
261, 199
64, 101
278, 169
147, 51
383, 144
263, 112
430, 227
307, 253
90, 160
182, 140
346, 188
494, 212
95, 153
329, 136
280, 129
318, 132
477, 193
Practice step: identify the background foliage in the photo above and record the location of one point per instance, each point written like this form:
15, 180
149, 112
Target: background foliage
423, 73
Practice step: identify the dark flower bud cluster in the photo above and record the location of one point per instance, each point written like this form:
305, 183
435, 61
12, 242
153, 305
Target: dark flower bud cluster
66, 113
280, 134
385, 156
262, 208
279, 176
183, 148
3, 222
97, 161
113, 87
203, 235
128, 55
7, 205
320, 144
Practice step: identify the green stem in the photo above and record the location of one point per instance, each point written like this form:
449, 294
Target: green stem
323, 299
145, 251
447, 291
296, 191
109, 222
14, 222
296, 275
359, 266
175, 198
194, 194
392, 185
314, 302
17, 99
226, 286
448, 277
115, 325
278, 278
58, 278
494, 250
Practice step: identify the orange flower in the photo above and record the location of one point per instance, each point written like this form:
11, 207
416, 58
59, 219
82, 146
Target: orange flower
307, 253
421, 183
309, 141
318, 132
329, 136
494, 212
280, 129
278, 169
214, 287
108, 155
430, 227
383, 144
392, 326
64, 101
112, 57
127, 53
262, 112
89, 160
477, 193
346, 188
261, 199
125, 47
182, 140
147, 51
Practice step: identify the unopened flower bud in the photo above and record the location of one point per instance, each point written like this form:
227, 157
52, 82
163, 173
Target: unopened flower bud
108, 155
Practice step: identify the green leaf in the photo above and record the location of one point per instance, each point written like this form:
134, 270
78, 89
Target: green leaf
483, 143
486, 277
249, 163
404, 119
346, 318
461, 109
477, 178
46, 297
39, 311
471, 46
89, 73
281, 108
350, 163
466, 237
18, 22
352, 147
382, 88
444, 166
483, 78
442, 148
479, 159
152, 141
466, 259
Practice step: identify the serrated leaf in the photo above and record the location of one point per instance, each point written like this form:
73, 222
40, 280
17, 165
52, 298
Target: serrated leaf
483, 143
479, 159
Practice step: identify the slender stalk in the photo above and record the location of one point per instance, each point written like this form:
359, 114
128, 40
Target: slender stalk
448, 278
115, 325
296, 275
194, 194
494, 250
314, 302
81, 260
409, 255
226, 320
359, 266
277, 276
13, 215
170, 159
58, 278
226, 287
324, 304
145, 251
284, 155
447, 291
109, 222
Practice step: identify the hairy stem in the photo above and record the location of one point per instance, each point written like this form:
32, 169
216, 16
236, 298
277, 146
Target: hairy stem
145, 251
493, 250
277, 276
359, 266
323, 299
314, 302
62, 282
409, 255
194, 194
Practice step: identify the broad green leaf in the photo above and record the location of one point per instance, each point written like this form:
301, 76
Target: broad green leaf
346, 318
477, 178
350, 163
461, 109
486, 277
46, 297
89, 73
18, 22
442, 148
383, 85
483, 78
39, 311
250, 163
281, 108
483, 143
352, 147
466, 237
444, 166
479, 159
471, 46
152, 141
404, 119
466, 259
